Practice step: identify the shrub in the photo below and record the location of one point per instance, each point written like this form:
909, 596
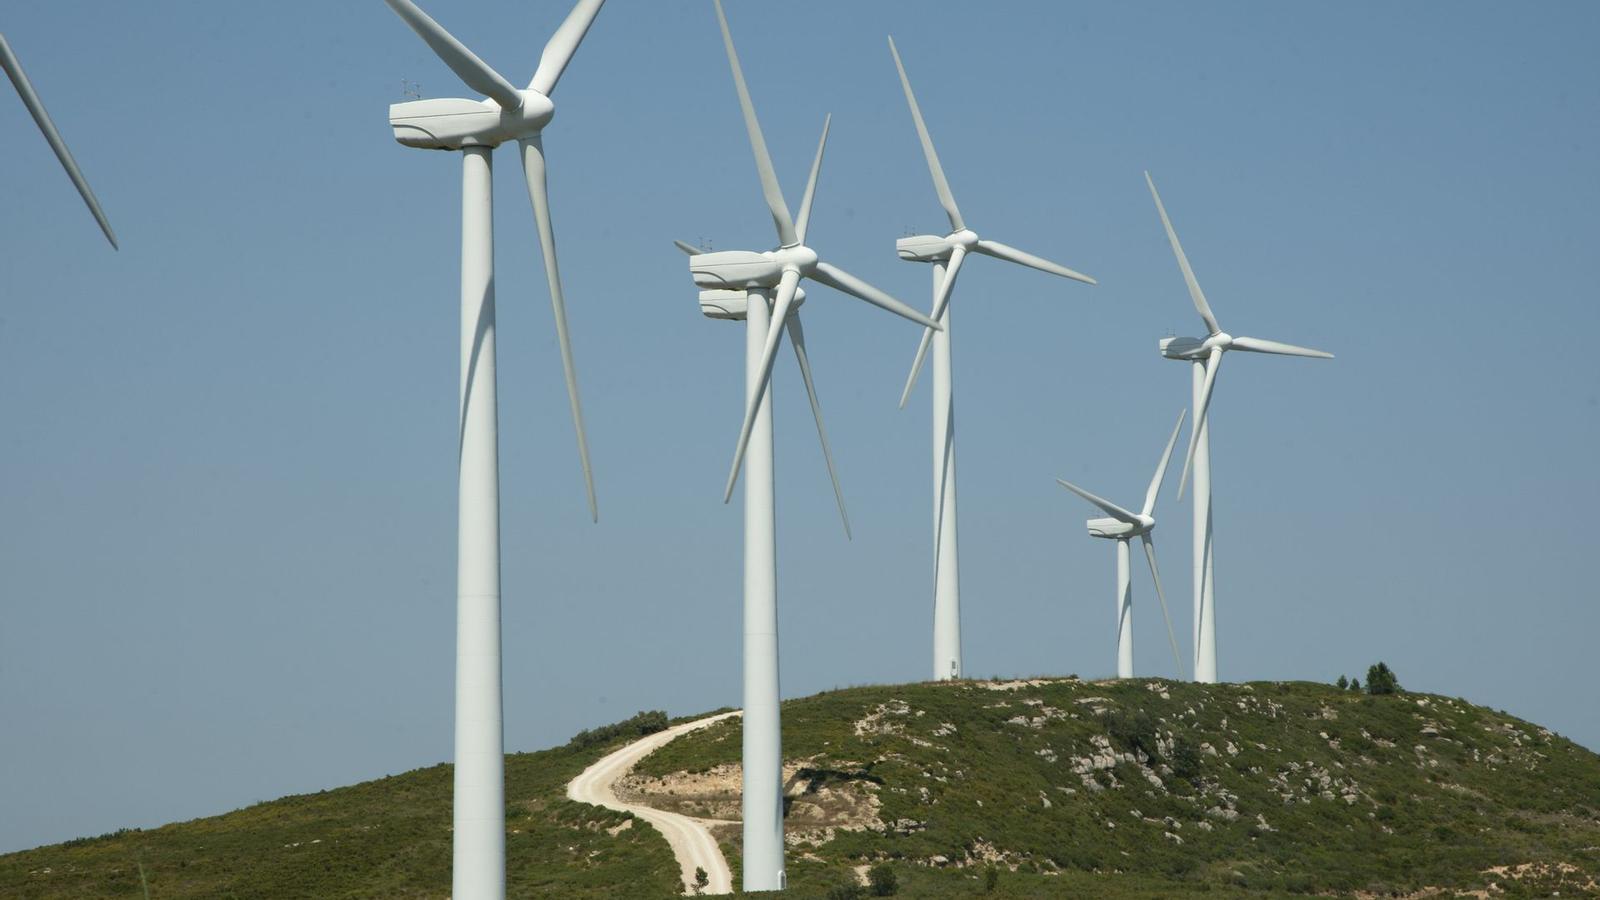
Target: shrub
1185, 760
991, 877
639, 725
1133, 731
882, 881
701, 879
1381, 680
845, 892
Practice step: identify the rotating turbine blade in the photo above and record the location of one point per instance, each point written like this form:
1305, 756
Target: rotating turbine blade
1012, 254
811, 183
758, 144
1259, 345
1115, 510
468, 67
1150, 554
843, 281
562, 45
19, 78
1161, 467
1198, 295
946, 199
797, 338
688, 248
780, 313
534, 168
940, 302
1213, 363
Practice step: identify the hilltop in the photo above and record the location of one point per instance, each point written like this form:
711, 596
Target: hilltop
1030, 788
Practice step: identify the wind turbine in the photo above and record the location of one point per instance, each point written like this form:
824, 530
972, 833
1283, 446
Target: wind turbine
947, 252
475, 128
1122, 527
1205, 356
761, 278
30, 99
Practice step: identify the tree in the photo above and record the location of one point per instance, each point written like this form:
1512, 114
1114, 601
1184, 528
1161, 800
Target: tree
1381, 680
882, 881
701, 879
1342, 683
1355, 684
844, 892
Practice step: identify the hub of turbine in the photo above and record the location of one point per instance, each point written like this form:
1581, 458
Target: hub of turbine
454, 123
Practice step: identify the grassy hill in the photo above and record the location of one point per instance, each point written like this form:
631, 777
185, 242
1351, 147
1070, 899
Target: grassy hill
1041, 788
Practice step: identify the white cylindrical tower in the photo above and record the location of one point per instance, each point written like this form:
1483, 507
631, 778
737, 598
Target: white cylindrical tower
479, 836
946, 564
1124, 612
763, 748
1205, 614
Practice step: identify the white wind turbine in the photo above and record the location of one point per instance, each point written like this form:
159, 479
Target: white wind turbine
476, 127
946, 252
730, 279
1122, 527
1205, 356
30, 99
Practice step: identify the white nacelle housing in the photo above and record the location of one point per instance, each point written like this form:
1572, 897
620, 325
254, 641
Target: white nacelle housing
721, 304
1109, 528
1182, 348
734, 269
923, 248
450, 124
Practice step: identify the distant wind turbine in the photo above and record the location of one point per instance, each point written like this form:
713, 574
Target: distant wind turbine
1205, 356
1122, 527
475, 128
30, 99
946, 252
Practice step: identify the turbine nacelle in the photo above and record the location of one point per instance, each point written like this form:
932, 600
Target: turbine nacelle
748, 269
1116, 528
723, 304
454, 123
1195, 348
934, 248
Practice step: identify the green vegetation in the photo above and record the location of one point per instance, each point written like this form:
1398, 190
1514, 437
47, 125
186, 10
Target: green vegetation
1023, 789
1380, 680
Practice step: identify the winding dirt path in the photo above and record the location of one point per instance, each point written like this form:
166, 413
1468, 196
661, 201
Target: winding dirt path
689, 837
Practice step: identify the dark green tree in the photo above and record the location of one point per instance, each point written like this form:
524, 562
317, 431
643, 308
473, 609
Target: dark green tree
882, 881
701, 879
1342, 683
1381, 680
1355, 684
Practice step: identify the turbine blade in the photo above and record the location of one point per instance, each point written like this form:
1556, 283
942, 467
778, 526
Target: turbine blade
533, 166
780, 312
688, 248
1198, 295
19, 78
946, 199
797, 338
1114, 510
941, 301
1155, 573
916, 365
758, 144
811, 183
1161, 467
468, 67
843, 281
562, 45
1012, 254
1260, 345
1213, 363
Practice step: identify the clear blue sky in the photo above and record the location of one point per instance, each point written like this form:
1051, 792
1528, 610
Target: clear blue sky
227, 458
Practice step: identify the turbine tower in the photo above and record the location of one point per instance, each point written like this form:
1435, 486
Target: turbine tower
1205, 357
946, 252
1122, 527
30, 99
475, 128
769, 283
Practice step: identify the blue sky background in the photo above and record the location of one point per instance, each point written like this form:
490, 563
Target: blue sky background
227, 458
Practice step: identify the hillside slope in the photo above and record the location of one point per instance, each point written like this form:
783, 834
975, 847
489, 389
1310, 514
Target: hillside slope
1040, 788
